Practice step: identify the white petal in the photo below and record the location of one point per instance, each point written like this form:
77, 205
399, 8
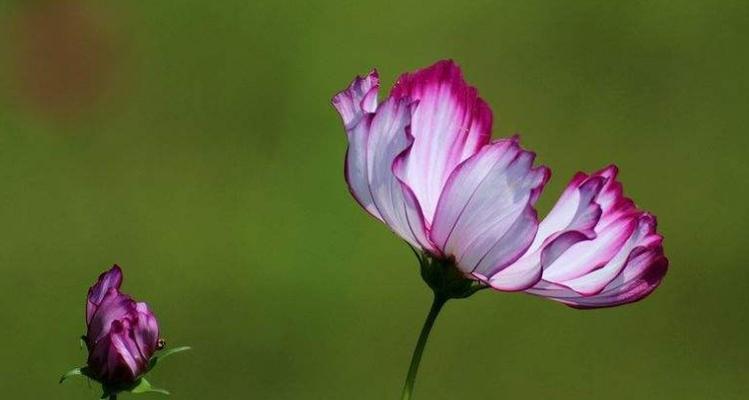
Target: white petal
395, 202
356, 106
485, 217
596, 280
571, 220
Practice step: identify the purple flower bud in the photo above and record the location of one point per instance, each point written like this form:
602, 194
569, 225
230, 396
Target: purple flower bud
121, 335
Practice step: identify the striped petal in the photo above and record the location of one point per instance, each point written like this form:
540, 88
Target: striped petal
388, 142
107, 280
145, 330
571, 220
450, 124
357, 105
617, 223
593, 282
379, 141
485, 217
621, 263
114, 306
641, 273
125, 345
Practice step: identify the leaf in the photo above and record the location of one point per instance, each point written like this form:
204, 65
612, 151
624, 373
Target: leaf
155, 359
72, 372
82, 371
83, 341
143, 386
173, 351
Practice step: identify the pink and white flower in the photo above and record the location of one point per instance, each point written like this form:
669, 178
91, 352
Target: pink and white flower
423, 162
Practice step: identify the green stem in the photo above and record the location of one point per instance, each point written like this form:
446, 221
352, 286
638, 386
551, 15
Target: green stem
408, 388
112, 397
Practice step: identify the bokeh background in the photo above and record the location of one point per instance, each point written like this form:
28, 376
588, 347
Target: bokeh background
193, 143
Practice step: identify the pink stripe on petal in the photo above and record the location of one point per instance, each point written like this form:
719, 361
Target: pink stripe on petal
596, 280
643, 274
450, 124
612, 199
586, 256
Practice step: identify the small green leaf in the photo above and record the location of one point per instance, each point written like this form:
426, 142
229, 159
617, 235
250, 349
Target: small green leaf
82, 371
143, 386
155, 359
83, 341
173, 351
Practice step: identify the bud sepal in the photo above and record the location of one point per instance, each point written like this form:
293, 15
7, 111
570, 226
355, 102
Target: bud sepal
141, 385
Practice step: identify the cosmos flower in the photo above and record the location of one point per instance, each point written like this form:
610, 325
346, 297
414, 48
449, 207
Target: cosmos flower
423, 162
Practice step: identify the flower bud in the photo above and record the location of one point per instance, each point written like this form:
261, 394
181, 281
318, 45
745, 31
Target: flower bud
121, 335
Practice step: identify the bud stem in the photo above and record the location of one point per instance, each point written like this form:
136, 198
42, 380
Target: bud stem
437, 304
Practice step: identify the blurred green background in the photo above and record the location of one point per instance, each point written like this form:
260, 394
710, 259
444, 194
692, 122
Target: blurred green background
193, 143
